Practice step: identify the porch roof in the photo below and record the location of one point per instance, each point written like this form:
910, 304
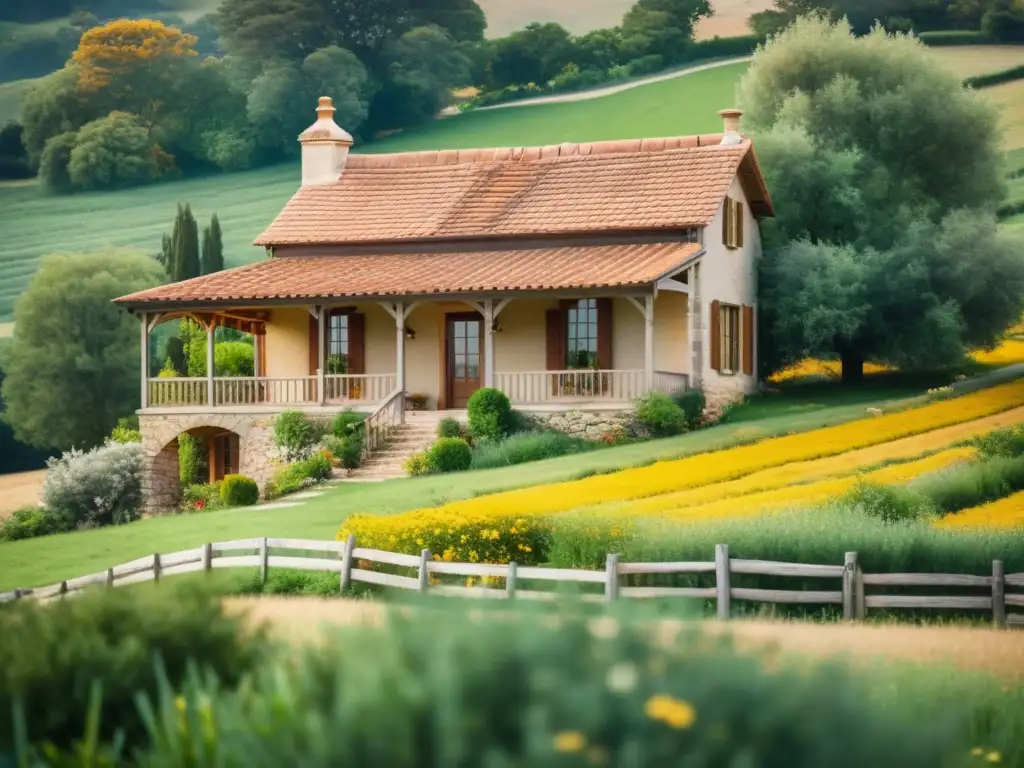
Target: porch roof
284, 278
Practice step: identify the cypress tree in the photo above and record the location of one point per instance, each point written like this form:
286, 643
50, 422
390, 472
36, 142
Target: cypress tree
213, 247
185, 244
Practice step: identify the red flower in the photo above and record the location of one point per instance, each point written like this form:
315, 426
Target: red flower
200, 504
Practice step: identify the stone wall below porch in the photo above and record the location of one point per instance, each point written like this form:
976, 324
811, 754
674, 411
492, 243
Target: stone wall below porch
589, 425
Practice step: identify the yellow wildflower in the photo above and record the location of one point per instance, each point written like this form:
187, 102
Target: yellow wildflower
993, 757
977, 751
179, 703
570, 741
674, 713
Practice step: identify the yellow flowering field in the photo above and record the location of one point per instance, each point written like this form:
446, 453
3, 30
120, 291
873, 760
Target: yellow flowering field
813, 493
1009, 352
820, 469
1005, 513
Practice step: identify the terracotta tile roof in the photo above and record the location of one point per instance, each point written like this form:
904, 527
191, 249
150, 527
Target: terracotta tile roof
419, 274
640, 184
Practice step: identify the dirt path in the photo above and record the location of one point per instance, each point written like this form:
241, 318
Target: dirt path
21, 489
609, 90
300, 619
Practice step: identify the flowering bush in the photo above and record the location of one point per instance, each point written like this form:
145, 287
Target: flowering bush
99, 487
296, 435
299, 475
417, 464
201, 496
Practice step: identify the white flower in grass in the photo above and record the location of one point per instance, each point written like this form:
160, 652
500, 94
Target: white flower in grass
622, 677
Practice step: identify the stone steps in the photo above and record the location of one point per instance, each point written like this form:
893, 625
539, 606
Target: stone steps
389, 462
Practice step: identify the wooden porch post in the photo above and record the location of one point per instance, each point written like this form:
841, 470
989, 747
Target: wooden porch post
321, 357
255, 356
144, 345
649, 343
488, 342
210, 362
400, 348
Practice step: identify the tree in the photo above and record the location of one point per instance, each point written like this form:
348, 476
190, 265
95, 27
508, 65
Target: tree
73, 367
13, 157
53, 166
115, 151
52, 107
282, 99
855, 136
662, 27
179, 252
213, 248
534, 54
426, 65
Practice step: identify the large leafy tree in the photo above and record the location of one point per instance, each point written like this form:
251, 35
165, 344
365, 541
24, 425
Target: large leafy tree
885, 247
73, 368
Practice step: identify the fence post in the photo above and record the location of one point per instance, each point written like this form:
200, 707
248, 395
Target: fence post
860, 608
156, 566
510, 581
722, 588
264, 560
346, 562
849, 584
998, 594
207, 557
63, 589
424, 572
611, 579
110, 577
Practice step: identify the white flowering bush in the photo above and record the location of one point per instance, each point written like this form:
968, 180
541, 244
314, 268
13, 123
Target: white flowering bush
98, 487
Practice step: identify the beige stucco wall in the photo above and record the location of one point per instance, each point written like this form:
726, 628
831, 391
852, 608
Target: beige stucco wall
287, 345
520, 346
729, 276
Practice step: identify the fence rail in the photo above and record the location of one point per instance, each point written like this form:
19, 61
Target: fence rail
264, 390
351, 564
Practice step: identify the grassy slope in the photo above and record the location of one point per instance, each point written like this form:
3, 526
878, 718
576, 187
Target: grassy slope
35, 224
37, 561
11, 96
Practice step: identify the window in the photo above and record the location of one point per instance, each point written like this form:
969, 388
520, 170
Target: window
729, 338
581, 327
337, 343
732, 223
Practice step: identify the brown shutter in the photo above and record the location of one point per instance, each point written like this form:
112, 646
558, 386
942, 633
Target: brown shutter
604, 334
726, 220
357, 343
739, 224
748, 340
555, 340
314, 345
714, 337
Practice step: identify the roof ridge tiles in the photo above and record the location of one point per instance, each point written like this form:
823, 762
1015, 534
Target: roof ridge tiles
448, 157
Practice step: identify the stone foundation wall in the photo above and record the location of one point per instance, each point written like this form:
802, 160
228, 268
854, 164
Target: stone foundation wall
590, 425
258, 456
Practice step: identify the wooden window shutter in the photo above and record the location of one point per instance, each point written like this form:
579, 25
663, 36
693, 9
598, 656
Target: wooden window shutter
727, 222
555, 340
738, 216
314, 345
604, 334
748, 340
357, 343
715, 337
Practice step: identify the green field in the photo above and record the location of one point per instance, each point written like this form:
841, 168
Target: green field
35, 224
11, 96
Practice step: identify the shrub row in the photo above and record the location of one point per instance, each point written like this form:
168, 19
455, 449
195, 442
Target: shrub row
953, 37
539, 686
299, 475
995, 78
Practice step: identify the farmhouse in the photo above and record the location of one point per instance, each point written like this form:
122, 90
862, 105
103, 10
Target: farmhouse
572, 277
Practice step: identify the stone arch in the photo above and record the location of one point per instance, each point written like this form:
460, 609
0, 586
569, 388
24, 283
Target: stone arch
160, 433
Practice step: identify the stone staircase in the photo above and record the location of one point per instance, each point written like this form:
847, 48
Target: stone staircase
419, 431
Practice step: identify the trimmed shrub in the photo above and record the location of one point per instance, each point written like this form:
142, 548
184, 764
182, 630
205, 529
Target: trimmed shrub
693, 402
192, 460
974, 484
299, 475
449, 454
660, 415
239, 491
490, 414
953, 37
123, 641
296, 435
417, 464
99, 487
347, 422
348, 450
449, 427
200, 496
29, 522
527, 446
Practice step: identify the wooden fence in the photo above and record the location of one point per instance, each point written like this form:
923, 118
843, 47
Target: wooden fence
350, 561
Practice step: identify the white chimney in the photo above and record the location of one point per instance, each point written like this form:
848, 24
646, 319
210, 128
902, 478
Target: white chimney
731, 117
324, 147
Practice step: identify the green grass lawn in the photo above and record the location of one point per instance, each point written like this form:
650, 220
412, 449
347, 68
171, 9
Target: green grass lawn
36, 562
35, 224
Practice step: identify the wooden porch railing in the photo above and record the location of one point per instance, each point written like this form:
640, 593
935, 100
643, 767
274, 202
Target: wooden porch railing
557, 386
669, 383
379, 425
263, 390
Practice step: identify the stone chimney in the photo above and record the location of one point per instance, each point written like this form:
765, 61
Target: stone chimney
731, 117
324, 147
